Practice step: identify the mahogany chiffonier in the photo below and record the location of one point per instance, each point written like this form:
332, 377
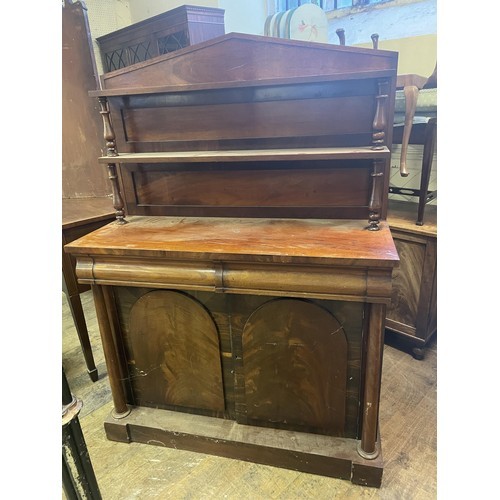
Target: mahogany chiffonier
242, 291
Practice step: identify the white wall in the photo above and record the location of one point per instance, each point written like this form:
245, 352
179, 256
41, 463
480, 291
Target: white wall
244, 16
143, 9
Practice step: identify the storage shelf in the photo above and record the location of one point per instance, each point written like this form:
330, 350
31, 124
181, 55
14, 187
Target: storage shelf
344, 153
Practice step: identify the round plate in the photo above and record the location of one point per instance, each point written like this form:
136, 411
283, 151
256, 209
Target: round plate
309, 23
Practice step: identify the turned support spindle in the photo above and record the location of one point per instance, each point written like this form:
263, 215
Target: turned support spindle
376, 195
109, 134
380, 119
110, 138
118, 203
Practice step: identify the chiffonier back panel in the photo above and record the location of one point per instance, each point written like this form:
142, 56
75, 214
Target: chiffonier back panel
243, 92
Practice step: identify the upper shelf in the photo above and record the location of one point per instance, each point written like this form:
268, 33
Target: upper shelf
342, 153
238, 59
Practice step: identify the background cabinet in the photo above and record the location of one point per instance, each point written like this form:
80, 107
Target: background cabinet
173, 30
412, 314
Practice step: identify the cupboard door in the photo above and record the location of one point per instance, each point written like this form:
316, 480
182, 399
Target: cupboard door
295, 367
174, 352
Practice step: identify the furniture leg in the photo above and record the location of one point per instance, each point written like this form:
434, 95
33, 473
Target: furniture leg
411, 96
77, 472
75, 306
367, 448
428, 154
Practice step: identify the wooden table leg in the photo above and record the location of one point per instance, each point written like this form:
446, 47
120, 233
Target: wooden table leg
373, 373
75, 306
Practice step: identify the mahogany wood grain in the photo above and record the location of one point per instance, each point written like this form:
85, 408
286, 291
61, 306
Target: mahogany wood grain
295, 366
174, 353
349, 315
310, 453
250, 120
412, 314
259, 104
373, 374
255, 185
272, 240
268, 257
111, 354
81, 126
211, 62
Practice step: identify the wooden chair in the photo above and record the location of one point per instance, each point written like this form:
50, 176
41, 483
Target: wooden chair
415, 122
419, 126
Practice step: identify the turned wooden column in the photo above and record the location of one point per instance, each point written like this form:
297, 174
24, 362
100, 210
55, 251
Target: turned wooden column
367, 447
376, 195
110, 138
380, 119
111, 354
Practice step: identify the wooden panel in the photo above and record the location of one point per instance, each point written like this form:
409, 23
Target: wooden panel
310, 453
285, 118
295, 364
217, 305
349, 315
82, 139
406, 284
174, 353
242, 58
256, 184
412, 313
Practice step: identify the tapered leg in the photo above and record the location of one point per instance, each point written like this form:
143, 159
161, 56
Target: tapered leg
75, 306
411, 97
428, 155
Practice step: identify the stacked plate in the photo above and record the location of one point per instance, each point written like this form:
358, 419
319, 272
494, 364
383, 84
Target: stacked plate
307, 23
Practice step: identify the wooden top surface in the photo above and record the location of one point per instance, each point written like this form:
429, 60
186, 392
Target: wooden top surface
310, 241
78, 211
402, 215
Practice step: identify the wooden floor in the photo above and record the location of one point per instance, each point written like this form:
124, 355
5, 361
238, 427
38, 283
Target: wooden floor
138, 471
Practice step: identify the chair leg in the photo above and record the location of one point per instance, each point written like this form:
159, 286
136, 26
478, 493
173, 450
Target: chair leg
428, 155
75, 305
411, 97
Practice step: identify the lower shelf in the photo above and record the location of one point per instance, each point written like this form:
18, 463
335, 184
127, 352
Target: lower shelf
311, 453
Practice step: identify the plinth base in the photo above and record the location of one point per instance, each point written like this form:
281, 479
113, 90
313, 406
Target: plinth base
312, 453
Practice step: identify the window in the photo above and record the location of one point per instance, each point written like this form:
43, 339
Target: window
282, 5
341, 4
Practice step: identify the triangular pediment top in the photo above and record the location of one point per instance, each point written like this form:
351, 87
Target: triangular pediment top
238, 57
